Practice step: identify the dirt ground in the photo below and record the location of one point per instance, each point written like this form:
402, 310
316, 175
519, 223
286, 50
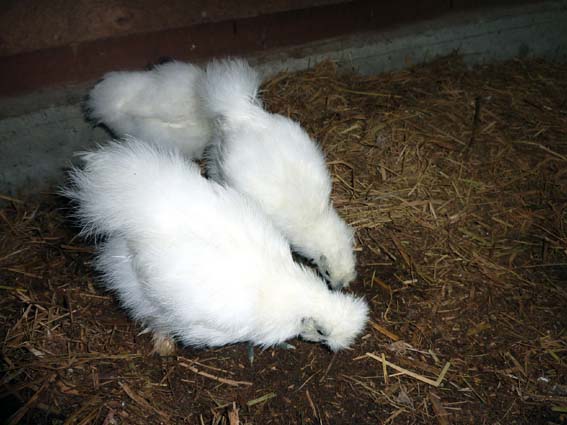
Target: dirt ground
456, 181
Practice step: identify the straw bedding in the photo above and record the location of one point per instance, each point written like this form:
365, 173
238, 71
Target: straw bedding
456, 181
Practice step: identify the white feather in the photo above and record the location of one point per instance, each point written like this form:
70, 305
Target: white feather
272, 160
197, 261
229, 90
156, 106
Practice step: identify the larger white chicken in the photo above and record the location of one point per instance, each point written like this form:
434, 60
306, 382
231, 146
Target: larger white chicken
198, 262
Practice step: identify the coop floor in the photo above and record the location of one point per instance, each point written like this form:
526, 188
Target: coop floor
456, 181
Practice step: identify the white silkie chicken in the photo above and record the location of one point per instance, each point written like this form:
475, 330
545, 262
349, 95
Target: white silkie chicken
158, 106
272, 160
198, 262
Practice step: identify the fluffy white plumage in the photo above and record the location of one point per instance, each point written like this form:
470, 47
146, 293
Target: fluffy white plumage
272, 160
197, 261
156, 106
268, 157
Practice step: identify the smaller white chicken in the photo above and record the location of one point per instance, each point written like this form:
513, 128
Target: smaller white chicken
158, 106
272, 160
198, 262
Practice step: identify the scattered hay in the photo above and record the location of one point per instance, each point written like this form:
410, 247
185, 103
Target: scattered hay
456, 181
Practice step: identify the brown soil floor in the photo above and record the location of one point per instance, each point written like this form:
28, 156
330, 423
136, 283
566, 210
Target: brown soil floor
456, 181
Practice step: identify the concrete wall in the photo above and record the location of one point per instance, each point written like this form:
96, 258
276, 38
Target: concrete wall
39, 132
